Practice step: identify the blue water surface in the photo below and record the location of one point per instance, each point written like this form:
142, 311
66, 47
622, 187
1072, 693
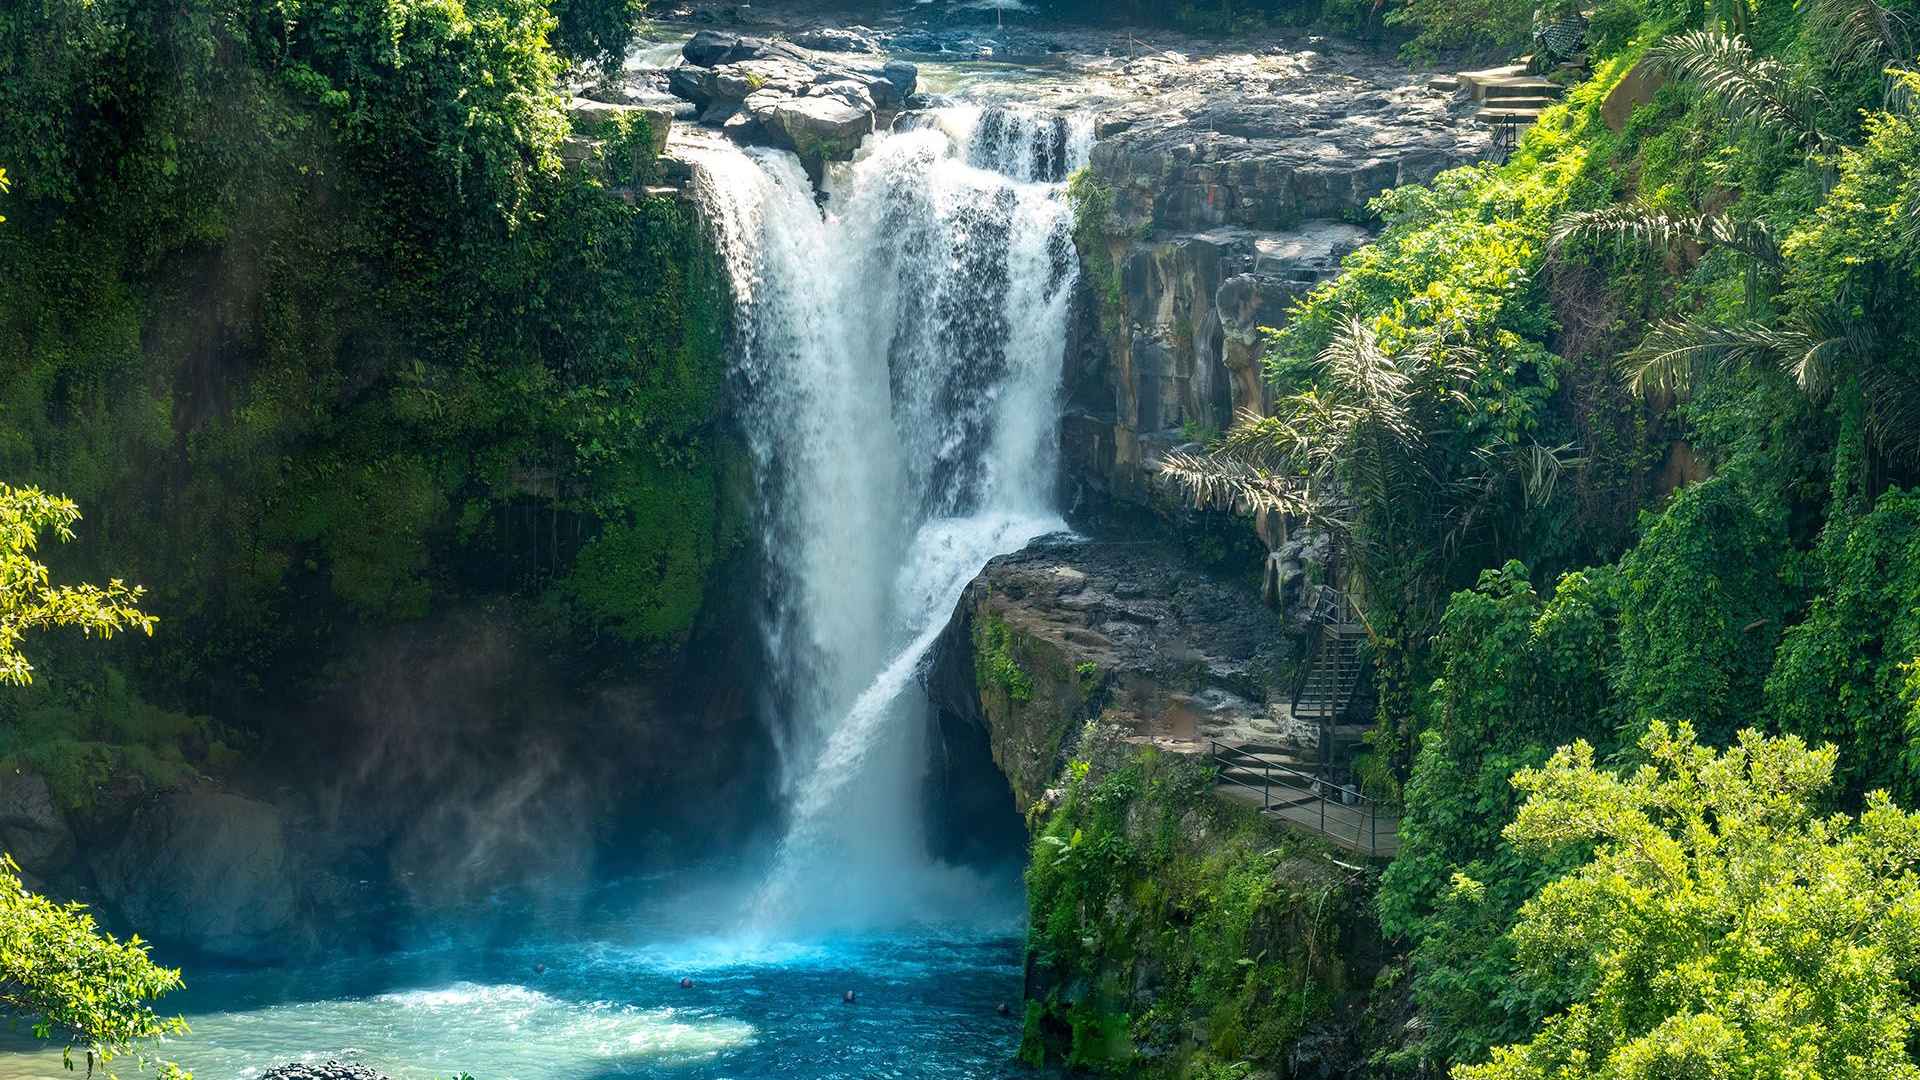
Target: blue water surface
589, 988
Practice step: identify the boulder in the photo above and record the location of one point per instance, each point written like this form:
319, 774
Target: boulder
710, 48
32, 829
1124, 631
205, 869
833, 39
595, 118
1631, 92
903, 76
734, 82
819, 129
692, 84
847, 90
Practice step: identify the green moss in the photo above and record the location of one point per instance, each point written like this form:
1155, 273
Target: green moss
1092, 203
80, 733
319, 342
994, 662
1157, 910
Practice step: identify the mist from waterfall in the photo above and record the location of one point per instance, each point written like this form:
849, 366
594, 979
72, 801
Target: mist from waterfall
900, 354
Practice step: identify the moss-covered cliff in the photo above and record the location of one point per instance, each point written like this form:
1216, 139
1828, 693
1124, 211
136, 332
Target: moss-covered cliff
355, 339
1171, 932
1175, 933
311, 315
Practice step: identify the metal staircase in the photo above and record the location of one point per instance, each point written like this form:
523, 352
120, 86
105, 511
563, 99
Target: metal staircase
1324, 693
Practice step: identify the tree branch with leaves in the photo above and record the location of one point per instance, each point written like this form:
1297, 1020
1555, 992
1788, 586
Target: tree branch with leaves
29, 601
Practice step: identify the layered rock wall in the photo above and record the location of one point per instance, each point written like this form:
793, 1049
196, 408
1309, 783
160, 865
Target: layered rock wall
1229, 185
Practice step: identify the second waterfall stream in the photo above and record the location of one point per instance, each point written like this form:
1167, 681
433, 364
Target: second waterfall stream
900, 348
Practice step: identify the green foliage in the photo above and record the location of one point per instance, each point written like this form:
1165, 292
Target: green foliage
647, 574
29, 601
597, 30
1092, 204
1838, 675
477, 370
1486, 27
1703, 599
1140, 868
1723, 926
995, 664
81, 725
77, 985
1520, 674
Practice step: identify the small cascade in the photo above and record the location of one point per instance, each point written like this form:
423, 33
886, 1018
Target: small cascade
899, 355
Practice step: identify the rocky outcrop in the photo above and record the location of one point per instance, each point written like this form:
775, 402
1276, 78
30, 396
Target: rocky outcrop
208, 868
1071, 630
621, 139
781, 94
1231, 184
32, 829
1180, 357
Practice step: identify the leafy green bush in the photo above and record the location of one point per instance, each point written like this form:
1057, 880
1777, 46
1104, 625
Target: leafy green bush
1704, 597
994, 663
1723, 926
75, 984
1839, 674
1520, 675
1139, 868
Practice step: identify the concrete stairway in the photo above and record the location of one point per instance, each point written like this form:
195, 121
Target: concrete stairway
1510, 99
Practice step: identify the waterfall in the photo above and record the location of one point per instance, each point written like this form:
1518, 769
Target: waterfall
899, 354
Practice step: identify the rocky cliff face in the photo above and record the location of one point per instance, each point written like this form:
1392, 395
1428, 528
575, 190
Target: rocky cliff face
1225, 186
1071, 630
1171, 929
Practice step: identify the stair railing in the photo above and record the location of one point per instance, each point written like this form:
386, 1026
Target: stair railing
1365, 834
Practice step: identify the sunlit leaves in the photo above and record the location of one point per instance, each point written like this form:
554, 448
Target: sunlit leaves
1728, 928
71, 982
29, 600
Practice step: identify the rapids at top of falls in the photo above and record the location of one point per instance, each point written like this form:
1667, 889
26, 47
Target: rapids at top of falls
900, 354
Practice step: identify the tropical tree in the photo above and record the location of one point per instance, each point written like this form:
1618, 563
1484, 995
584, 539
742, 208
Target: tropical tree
1375, 449
28, 599
1368, 451
1843, 331
1761, 93
1723, 927
72, 982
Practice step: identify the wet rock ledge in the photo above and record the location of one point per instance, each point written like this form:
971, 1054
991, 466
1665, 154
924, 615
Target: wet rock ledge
1069, 630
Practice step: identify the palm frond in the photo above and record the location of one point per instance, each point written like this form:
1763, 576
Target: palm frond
1677, 351
1867, 33
1638, 225
1893, 411
1749, 238
1219, 481
1632, 224
1747, 88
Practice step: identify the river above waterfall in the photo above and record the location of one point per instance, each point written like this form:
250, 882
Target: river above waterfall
468, 994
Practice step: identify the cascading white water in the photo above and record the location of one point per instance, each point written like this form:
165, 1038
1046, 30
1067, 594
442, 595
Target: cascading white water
900, 353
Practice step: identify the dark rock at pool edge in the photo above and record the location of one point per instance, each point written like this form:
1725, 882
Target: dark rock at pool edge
332, 1070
